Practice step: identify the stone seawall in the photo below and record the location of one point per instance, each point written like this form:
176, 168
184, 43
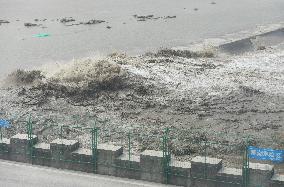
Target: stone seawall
149, 165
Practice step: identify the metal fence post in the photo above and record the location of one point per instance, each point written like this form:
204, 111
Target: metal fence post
94, 132
246, 166
29, 127
205, 159
129, 146
166, 155
61, 141
1, 135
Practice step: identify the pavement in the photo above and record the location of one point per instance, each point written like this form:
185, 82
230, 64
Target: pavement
24, 175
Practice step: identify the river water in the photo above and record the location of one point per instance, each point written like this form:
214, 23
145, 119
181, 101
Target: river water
20, 49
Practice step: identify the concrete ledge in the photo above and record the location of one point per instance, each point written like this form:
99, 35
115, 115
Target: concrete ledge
260, 174
108, 148
61, 152
205, 167
277, 181
106, 155
82, 160
229, 177
128, 168
42, 154
151, 163
20, 150
201, 172
180, 173
64, 144
4, 148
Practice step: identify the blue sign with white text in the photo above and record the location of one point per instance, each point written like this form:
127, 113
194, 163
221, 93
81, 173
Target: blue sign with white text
266, 154
4, 123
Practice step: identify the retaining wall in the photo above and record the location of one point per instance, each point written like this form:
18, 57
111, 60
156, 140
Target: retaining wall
149, 166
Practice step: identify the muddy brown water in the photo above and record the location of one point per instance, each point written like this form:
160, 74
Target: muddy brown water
20, 49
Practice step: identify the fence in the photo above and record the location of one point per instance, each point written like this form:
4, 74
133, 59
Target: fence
214, 164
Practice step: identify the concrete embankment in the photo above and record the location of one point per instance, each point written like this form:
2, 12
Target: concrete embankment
150, 165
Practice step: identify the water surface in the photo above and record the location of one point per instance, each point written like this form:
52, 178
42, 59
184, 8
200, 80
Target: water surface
19, 49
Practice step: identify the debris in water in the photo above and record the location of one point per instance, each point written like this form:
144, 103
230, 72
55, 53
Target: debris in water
92, 22
169, 17
3, 21
151, 17
67, 20
42, 35
31, 25
261, 47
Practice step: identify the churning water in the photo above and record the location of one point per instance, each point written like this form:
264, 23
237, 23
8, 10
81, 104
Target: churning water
195, 20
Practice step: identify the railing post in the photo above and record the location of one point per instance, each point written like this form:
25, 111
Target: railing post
29, 127
246, 166
166, 155
61, 146
1, 135
129, 146
205, 168
94, 132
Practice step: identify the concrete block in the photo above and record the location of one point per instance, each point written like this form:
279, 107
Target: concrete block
42, 154
276, 181
260, 174
106, 155
229, 177
82, 160
61, 150
151, 163
205, 167
200, 172
204, 171
128, 168
20, 148
4, 148
180, 173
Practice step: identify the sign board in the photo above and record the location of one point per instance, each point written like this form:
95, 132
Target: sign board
4, 123
266, 154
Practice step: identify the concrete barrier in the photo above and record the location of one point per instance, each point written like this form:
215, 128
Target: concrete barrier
110, 160
180, 173
152, 166
106, 155
229, 177
82, 160
20, 147
260, 174
5, 148
61, 150
276, 181
128, 168
42, 154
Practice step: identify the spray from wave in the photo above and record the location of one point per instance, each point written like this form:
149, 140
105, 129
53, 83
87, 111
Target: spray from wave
79, 76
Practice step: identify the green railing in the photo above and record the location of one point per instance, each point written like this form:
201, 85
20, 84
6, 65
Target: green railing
234, 157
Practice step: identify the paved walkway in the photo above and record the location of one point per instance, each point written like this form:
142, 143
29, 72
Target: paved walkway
24, 175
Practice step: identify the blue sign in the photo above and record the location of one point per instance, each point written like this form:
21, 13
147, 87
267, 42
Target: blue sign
4, 123
266, 154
